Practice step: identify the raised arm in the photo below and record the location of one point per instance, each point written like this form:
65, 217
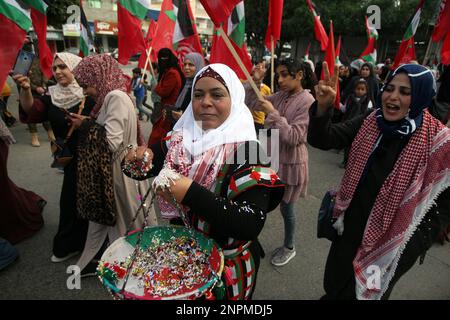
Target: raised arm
25, 96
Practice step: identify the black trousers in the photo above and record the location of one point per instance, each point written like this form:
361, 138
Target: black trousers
72, 230
339, 278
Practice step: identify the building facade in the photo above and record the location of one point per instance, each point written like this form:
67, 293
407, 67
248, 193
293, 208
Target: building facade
102, 15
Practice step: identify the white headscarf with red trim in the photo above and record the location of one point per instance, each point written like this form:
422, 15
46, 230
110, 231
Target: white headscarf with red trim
238, 127
199, 154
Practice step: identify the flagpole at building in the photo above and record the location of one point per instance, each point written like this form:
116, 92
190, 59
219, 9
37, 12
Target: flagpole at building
272, 62
225, 38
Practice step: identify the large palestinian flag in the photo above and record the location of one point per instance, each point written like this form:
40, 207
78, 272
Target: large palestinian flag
235, 28
176, 29
15, 21
130, 37
406, 52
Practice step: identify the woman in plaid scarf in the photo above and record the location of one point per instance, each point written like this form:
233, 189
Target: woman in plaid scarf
394, 198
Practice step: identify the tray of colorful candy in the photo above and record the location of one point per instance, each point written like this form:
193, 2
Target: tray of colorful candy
161, 263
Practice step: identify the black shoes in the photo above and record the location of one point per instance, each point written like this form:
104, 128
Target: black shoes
90, 270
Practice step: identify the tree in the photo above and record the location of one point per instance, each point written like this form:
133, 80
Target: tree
57, 12
347, 15
256, 13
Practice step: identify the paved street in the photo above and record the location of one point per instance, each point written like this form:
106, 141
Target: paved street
33, 276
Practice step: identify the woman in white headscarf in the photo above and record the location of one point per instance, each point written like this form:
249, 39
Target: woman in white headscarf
64, 97
223, 188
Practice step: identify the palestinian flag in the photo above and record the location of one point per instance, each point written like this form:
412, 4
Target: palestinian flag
370, 52
219, 10
85, 35
130, 37
15, 21
176, 29
39, 20
235, 28
319, 30
406, 52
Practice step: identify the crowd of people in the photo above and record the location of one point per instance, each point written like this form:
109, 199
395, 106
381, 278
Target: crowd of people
393, 125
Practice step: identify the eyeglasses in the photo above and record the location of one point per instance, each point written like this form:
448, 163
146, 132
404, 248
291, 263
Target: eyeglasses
60, 66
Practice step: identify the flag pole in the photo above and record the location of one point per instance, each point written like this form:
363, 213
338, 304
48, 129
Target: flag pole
240, 63
150, 63
272, 62
147, 62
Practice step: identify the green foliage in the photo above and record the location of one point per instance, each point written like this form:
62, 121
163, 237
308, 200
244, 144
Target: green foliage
57, 12
347, 16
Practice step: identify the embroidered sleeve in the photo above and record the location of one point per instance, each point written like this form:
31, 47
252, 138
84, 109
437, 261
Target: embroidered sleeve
250, 177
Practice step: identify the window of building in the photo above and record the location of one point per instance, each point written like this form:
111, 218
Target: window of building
95, 3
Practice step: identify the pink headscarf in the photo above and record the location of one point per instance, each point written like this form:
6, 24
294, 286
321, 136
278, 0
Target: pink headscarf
102, 72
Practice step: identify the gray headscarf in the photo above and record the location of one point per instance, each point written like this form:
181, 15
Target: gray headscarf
199, 62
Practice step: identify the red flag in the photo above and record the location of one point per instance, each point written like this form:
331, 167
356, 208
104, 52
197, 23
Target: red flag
150, 32
442, 31
275, 18
130, 38
11, 38
319, 30
39, 20
176, 29
166, 24
221, 54
219, 10
148, 43
442, 26
405, 53
338, 50
445, 51
330, 58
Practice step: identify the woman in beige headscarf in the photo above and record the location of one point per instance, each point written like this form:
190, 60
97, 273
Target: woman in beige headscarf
65, 96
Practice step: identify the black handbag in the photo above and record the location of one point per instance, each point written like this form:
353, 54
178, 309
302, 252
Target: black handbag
62, 155
325, 219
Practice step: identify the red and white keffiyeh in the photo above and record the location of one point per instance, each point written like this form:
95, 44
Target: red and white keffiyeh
420, 174
202, 168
